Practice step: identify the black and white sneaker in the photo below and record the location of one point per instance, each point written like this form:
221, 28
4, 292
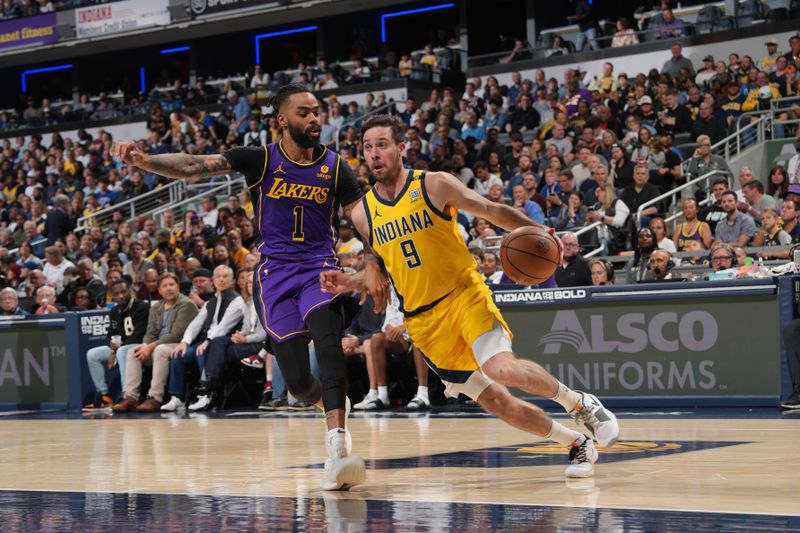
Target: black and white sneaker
583, 456
600, 422
793, 401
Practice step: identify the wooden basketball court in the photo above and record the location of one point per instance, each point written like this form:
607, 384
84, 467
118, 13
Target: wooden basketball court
678, 470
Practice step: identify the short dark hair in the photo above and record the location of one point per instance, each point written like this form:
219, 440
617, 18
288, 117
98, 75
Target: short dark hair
283, 94
397, 127
757, 185
717, 181
728, 193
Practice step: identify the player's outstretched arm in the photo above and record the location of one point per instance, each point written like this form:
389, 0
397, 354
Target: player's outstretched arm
446, 190
176, 166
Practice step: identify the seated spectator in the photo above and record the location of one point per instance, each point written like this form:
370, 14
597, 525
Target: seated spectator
573, 214
55, 266
392, 339
558, 48
637, 267
772, 234
602, 272
708, 125
663, 241
523, 203
722, 257
713, 213
137, 265
166, 323
736, 228
148, 291
574, 270
523, 117
757, 201
9, 304
45, 301
660, 265
82, 300
615, 216
405, 66
223, 348
692, 229
127, 326
670, 27
85, 279
777, 183
485, 179
640, 193
625, 34
202, 287
212, 321
790, 210
488, 268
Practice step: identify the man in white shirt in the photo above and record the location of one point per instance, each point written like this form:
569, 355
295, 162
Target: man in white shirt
220, 316
54, 267
210, 213
485, 179
247, 341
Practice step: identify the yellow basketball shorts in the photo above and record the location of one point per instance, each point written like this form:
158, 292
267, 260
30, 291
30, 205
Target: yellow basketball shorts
445, 334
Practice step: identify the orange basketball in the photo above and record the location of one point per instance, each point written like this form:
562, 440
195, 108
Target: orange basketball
529, 255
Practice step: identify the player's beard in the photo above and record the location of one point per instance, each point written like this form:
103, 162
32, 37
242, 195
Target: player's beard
302, 138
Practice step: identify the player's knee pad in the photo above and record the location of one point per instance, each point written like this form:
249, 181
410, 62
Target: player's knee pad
309, 390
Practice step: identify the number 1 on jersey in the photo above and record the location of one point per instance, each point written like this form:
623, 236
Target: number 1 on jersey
298, 234
410, 253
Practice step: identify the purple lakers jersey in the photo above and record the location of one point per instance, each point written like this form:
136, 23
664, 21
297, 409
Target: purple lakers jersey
295, 206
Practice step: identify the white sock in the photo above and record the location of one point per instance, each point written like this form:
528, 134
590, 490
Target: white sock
422, 392
563, 435
336, 443
567, 397
373, 393
269, 377
383, 394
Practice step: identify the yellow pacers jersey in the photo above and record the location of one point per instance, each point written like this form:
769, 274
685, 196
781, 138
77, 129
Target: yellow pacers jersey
420, 246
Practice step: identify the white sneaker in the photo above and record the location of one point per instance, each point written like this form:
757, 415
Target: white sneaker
583, 457
362, 405
341, 473
418, 403
173, 405
600, 422
203, 401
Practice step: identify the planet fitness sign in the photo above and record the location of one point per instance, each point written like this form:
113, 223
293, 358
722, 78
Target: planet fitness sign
28, 31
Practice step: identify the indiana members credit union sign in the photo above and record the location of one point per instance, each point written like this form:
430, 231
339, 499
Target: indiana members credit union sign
116, 17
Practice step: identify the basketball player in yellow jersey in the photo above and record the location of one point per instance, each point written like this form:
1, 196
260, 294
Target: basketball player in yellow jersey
409, 219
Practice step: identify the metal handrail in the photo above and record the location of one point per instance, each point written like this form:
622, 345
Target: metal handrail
138, 205
360, 118
492, 244
678, 191
179, 208
586, 229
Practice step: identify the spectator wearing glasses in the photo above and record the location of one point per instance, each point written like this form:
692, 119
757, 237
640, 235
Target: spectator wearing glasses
722, 257
574, 270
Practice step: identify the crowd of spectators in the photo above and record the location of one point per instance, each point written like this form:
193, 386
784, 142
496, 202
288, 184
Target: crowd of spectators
579, 151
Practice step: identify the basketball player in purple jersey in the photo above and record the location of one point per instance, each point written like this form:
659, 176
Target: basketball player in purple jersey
297, 188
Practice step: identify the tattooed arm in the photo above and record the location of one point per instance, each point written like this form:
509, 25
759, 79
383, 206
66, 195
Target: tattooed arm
177, 166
